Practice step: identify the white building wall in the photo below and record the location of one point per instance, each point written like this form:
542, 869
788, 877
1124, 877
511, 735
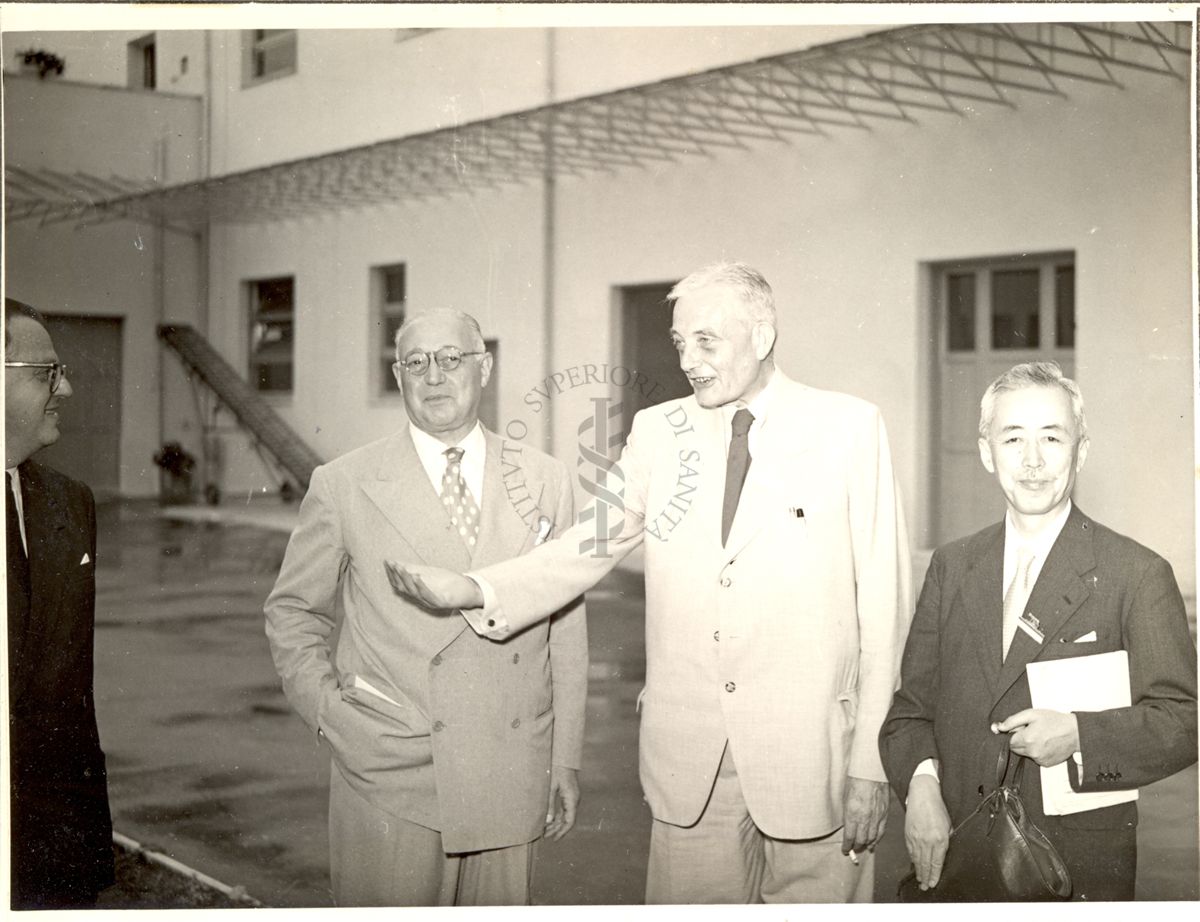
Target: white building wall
841, 227
111, 269
101, 58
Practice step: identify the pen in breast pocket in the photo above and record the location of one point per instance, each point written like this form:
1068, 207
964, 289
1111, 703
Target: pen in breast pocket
796, 511
543, 529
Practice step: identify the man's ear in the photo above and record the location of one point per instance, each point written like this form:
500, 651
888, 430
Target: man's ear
763, 336
485, 369
1081, 456
985, 455
398, 374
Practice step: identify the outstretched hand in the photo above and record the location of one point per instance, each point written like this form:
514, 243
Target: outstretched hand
433, 587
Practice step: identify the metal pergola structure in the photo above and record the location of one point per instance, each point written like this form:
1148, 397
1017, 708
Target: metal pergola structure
898, 75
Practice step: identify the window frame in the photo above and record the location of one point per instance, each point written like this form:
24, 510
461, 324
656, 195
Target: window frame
252, 43
256, 314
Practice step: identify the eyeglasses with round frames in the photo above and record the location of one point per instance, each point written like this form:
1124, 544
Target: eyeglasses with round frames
448, 359
57, 371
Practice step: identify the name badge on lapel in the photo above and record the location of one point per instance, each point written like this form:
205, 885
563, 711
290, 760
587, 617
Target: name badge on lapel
1031, 626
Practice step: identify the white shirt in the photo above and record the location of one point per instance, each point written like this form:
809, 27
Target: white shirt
432, 453
1040, 546
16, 488
759, 408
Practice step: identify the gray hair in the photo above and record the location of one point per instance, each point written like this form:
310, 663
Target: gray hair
747, 283
472, 325
14, 308
1031, 374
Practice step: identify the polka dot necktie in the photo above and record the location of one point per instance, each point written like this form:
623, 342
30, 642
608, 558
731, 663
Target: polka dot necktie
457, 498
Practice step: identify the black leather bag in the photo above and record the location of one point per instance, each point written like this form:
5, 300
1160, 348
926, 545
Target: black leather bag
996, 853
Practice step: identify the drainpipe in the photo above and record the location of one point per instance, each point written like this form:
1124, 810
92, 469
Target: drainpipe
548, 203
160, 287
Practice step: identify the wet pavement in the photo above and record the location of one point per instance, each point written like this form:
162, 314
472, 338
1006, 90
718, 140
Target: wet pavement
208, 764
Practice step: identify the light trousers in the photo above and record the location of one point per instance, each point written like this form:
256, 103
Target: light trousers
377, 859
725, 858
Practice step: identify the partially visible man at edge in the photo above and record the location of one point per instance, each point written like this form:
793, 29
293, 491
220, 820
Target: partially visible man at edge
61, 830
451, 755
1071, 588
777, 604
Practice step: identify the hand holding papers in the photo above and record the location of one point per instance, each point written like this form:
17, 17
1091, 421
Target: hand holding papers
1081, 683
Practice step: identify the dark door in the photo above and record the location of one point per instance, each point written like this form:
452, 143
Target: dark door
646, 348
90, 421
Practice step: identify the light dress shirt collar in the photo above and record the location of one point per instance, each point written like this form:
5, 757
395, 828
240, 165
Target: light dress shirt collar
431, 451
759, 408
1040, 545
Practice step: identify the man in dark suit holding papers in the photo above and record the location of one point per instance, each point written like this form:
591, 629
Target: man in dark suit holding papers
1046, 584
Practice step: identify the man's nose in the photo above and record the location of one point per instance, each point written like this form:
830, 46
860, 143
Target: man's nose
1033, 455
64, 388
687, 357
435, 375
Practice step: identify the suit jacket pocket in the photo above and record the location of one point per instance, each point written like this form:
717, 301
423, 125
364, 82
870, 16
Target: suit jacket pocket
369, 735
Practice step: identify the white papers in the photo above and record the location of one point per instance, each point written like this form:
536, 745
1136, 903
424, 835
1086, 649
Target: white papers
1080, 683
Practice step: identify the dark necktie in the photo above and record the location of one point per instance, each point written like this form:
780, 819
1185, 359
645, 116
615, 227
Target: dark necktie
18, 574
735, 469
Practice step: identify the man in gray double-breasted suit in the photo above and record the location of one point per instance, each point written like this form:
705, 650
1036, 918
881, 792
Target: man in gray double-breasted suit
452, 755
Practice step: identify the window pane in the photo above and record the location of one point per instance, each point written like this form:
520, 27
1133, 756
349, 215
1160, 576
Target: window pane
393, 284
1015, 309
1064, 306
960, 297
272, 333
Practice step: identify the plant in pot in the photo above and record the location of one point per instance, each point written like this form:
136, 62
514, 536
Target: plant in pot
175, 478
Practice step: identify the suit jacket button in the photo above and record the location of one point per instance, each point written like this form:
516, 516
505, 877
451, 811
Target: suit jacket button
516, 658
727, 582
438, 726
730, 686
516, 723
491, 622
437, 660
717, 636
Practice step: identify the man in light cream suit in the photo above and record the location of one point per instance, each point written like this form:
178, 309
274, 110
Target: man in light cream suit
777, 603
451, 754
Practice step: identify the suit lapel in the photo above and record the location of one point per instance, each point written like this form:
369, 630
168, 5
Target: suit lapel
402, 492
981, 603
778, 441
1056, 597
49, 549
503, 532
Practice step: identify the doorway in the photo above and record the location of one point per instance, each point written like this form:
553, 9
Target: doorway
90, 421
645, 344
990, 314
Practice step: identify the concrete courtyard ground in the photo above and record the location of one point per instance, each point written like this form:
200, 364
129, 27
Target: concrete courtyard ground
208, 765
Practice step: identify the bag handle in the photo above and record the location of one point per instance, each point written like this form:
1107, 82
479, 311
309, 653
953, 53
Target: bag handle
1004, 761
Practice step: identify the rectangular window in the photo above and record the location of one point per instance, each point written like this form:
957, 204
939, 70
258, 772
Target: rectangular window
960, 302
389, 287
268, 54
1064, 301
1015, 302
272, 334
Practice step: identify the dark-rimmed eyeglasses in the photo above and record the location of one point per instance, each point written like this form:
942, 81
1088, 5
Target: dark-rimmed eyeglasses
448, 358
55, 374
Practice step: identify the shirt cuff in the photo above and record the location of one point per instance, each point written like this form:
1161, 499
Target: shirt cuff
490, 620
927, 767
